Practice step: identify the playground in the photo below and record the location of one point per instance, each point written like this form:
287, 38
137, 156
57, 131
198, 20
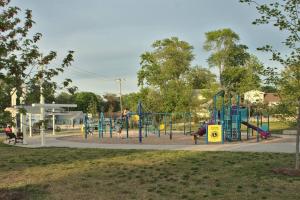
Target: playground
229, 123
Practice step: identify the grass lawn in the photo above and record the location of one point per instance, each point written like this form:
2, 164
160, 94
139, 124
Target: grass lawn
276, 127
65, 173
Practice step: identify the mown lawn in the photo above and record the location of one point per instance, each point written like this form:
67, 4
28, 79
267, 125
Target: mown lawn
276, 127
64, 173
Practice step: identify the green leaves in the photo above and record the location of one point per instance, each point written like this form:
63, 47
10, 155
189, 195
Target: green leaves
226, 52
20, 57
164, 73
169, 60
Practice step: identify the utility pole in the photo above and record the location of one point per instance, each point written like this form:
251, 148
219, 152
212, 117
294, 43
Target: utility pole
42, 102
120, 87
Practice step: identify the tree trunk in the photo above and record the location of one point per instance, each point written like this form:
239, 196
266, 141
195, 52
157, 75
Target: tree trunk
298, 136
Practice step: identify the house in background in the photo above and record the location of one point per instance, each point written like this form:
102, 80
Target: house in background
202, 110
271, 99
254, 96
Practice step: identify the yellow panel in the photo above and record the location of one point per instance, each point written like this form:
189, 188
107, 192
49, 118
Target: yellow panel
214, 133
162, 127
136, 118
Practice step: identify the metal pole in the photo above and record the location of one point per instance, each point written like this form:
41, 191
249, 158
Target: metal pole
184, 124
110, 127
85, 126
53, 120
165, 123
30, 124
140, 121
120, 88
247, 126
257, 123
23, 130
127, 126
190, 122
268, 123
171, 133
42, 109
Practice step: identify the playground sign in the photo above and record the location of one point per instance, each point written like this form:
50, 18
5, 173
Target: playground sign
214, 133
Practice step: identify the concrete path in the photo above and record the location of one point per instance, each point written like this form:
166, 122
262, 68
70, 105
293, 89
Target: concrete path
52, 141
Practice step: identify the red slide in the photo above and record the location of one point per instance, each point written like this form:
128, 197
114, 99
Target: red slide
264, 134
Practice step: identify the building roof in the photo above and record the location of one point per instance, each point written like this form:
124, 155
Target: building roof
271, 98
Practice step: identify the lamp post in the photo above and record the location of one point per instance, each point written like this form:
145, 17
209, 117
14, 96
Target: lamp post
120, 91
53, 119
42, 109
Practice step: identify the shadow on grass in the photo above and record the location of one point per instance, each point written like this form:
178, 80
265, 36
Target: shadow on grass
23, 193
18, 158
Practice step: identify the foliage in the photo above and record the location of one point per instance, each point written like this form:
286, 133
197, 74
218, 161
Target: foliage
169, 60
64, 98
111, 103
284, 15
20, 56
200, 78
240, 79
86, 102
226, 51
163, 72
269, 89
130, 101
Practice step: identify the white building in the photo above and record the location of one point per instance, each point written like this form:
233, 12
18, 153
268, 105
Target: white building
254, 96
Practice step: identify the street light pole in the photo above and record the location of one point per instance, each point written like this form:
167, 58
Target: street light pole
42, 116
120, 90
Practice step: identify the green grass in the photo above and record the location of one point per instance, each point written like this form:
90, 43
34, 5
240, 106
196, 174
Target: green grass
65, 173
277, 127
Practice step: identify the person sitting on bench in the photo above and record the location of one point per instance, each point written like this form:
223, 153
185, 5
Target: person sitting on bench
10, 134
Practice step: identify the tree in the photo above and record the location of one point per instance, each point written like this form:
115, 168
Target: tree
111, 103
64, 98
226, 51
170, 59
20, 56
163, 72
86, 102
130, 101
200, 78
269, 89
240, 79
284, 15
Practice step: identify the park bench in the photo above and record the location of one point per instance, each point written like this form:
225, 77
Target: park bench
11, 137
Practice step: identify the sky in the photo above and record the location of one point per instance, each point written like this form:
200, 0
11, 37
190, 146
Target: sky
108, 36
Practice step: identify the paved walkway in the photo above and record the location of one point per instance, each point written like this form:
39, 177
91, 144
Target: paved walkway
52, 141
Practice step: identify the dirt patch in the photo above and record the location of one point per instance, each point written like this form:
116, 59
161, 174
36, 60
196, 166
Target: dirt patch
6, 194
287, 171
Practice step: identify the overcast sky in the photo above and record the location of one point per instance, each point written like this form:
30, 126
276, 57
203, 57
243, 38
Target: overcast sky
108, 36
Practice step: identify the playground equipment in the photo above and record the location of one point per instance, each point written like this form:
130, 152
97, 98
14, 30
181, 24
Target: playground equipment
230, 119
144, 123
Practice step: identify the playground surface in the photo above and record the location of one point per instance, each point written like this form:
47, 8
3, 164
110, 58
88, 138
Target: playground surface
278, 144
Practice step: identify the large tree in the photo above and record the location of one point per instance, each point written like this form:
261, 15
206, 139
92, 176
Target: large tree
284, 15
169, 60
163, 71
21, 61
87, 102
225, 49
240, 79
200, 78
